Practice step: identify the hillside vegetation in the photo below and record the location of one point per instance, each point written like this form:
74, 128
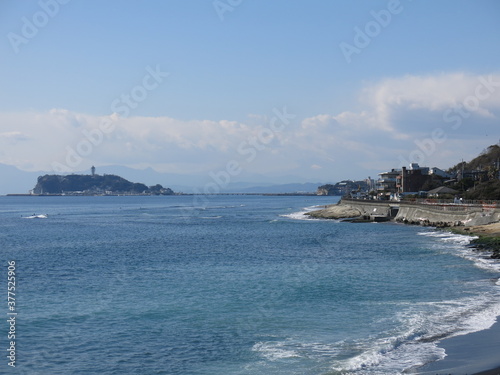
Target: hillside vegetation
486, 185
487, 160
94, 184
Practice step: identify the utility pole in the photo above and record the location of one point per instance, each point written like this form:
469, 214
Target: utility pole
463, 174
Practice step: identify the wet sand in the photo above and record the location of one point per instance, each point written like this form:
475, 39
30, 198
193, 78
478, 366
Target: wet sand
475, 353
490, 230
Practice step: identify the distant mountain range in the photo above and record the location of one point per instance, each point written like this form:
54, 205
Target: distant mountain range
13, 180
309, 187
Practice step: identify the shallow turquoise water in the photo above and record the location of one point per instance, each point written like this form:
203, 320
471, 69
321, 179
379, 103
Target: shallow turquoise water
232, 285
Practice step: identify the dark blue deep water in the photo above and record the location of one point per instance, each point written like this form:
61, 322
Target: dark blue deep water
231, 285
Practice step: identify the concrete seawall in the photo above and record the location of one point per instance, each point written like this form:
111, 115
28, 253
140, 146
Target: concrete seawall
367, 208
447, 215
428, 214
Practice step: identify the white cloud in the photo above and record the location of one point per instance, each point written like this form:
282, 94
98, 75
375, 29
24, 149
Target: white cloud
404, 107
476, 95
44, 138
398, 114
401, 115
13, 137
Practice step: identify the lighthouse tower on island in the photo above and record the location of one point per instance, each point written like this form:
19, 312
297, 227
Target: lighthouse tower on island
92, 170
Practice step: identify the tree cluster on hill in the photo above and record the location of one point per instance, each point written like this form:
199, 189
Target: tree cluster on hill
342, 188
94, 184
488, 190
480, 179
487, 161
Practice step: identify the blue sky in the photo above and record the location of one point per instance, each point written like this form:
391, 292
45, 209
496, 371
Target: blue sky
231, 65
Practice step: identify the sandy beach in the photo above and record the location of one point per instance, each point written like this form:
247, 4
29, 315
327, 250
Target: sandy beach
490, 230
477, 353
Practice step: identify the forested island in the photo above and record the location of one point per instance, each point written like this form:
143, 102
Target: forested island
108, 184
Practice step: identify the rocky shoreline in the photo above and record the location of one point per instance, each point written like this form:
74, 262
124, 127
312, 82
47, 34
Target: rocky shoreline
488, 237
336, 211
488, 234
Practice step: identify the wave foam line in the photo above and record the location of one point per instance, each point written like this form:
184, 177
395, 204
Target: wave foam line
301, 215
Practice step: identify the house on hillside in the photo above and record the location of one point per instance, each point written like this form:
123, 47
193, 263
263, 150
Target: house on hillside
439, 172
387, 181
477, 175
411, 179
416, 178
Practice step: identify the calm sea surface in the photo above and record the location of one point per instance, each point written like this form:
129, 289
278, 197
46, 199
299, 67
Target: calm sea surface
231, 285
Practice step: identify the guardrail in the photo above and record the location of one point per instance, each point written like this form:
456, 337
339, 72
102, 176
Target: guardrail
368, 201
452, 201
493, 203
448, 205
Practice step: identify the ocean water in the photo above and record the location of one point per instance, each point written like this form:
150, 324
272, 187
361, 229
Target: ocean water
231, 285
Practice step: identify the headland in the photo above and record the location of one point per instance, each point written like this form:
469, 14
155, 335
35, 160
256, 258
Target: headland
426, 212
479, 219
91, 185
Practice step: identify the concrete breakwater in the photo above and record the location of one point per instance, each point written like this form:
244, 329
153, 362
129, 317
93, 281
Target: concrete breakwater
432, 214
447, 215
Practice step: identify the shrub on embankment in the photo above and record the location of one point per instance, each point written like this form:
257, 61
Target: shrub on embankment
489, 190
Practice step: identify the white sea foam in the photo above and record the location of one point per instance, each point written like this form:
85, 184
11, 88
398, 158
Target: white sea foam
481, 312
386, 355
223, 207
449, 237
393, 352
424, 324
453, 317
290, 348
35, 216
385, 361
417, 341
480, 259
301, 215
274, 351
420, 327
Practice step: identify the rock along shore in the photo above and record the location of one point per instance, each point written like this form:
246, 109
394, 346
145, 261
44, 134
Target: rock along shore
336, 211
427, 214
488, 237
481, 222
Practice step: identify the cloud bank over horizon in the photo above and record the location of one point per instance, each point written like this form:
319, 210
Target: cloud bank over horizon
433, 119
